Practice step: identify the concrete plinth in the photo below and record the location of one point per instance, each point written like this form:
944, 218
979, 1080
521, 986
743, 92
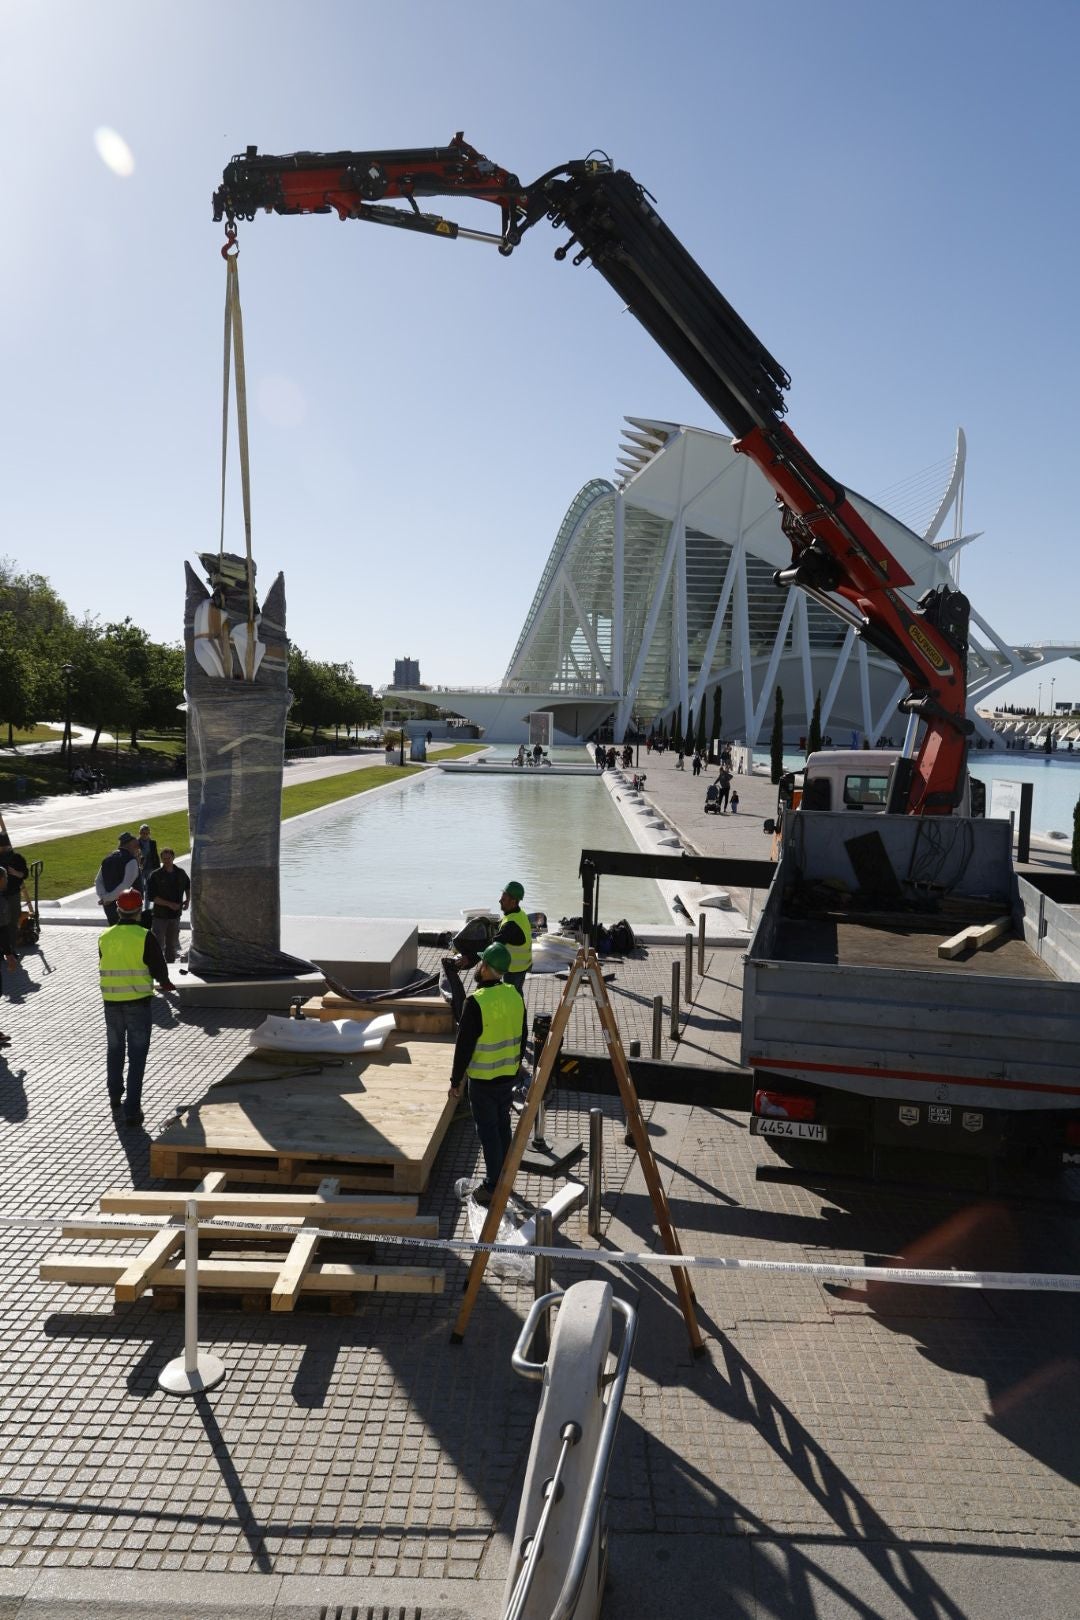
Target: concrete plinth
366, 953
363, 953
273, 995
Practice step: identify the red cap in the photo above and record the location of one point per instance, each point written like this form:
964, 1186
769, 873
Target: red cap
130, 900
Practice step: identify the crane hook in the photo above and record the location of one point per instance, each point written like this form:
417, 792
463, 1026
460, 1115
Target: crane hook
230, 250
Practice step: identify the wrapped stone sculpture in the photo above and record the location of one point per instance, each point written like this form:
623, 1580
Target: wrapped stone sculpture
236, 676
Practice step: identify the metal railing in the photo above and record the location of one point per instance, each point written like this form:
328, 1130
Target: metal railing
570, 1435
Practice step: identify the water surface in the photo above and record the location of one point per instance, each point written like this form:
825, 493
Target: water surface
450, 841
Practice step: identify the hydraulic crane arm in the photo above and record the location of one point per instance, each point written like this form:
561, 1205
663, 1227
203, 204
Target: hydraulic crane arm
837, 557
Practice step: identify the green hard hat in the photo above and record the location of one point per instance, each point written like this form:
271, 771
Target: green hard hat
515, 890
496, 957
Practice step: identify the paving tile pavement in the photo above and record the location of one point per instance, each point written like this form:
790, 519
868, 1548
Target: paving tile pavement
366, 1448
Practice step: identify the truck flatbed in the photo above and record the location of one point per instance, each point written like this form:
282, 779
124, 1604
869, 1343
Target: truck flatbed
904, 942
852, 997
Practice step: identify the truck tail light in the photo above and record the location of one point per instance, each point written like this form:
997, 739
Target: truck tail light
779, 1105
1072, 1133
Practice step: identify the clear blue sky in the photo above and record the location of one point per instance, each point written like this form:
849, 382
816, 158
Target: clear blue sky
886, 193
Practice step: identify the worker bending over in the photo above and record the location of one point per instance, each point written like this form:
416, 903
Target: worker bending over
489, 1051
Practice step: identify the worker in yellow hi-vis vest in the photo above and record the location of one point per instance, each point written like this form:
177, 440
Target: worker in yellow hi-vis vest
130, 961
489, 1051
515, 932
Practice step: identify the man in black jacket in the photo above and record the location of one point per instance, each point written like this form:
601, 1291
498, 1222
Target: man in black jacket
168, 890
117, 872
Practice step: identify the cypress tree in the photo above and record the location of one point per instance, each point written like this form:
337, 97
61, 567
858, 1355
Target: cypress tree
813, 739
700, 740
717, 713
776, 742
676, 729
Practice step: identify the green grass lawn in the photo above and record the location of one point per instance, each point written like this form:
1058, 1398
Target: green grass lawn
34, 734
71, 863
458, 750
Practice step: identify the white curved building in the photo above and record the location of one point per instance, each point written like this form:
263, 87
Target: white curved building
659, 589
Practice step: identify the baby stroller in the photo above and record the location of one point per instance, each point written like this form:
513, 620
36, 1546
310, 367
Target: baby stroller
30, 917
712, 799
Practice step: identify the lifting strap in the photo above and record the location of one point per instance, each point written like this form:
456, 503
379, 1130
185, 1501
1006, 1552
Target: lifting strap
234, 352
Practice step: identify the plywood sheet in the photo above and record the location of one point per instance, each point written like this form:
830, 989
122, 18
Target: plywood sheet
389, 1109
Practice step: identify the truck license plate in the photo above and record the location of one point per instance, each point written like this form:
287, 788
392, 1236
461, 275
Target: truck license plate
787, 1127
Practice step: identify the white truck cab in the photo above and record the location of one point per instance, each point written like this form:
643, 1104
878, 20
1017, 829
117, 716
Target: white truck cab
853, 779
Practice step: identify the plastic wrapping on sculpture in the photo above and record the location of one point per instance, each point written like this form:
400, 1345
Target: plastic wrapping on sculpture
235, 753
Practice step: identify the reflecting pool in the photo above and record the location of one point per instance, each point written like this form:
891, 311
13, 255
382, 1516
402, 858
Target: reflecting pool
446, 842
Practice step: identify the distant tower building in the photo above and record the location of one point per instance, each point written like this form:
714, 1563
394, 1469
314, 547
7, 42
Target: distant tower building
407, 672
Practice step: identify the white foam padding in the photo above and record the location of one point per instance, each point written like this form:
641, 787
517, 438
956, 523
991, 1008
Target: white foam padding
313, 1035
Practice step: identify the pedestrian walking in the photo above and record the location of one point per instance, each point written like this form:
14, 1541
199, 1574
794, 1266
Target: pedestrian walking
697, 764
723, 782
515, 932
168, 892
488, 1054
149, 862
130, 960
117, 872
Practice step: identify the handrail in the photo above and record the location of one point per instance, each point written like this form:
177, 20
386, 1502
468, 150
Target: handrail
569, 1434
594, 1491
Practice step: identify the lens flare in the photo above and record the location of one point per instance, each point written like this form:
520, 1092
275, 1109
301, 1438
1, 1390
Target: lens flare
114, 151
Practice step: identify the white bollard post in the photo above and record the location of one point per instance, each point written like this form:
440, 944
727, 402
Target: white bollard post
191, 1373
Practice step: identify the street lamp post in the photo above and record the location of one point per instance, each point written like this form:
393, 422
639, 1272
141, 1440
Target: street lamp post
1038, 702
1053, 678
67, 671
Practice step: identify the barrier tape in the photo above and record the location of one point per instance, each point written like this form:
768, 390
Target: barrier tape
1029, 1281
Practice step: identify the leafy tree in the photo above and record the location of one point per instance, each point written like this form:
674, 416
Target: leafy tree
776, 742
164, 686
18, 681
99, 695
131, 648
813, 739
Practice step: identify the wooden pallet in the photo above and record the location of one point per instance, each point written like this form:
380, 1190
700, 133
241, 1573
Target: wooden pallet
374, 1121
275, 1268
417, 1015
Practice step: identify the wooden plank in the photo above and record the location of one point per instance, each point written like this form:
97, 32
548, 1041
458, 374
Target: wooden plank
975, 938
297, 1263
950, 948
135, 1279
981, 937
324, 1277
418, 1226
420, 1015
248, 1206
258, 1172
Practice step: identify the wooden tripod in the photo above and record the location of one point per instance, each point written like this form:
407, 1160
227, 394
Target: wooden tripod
586, 967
